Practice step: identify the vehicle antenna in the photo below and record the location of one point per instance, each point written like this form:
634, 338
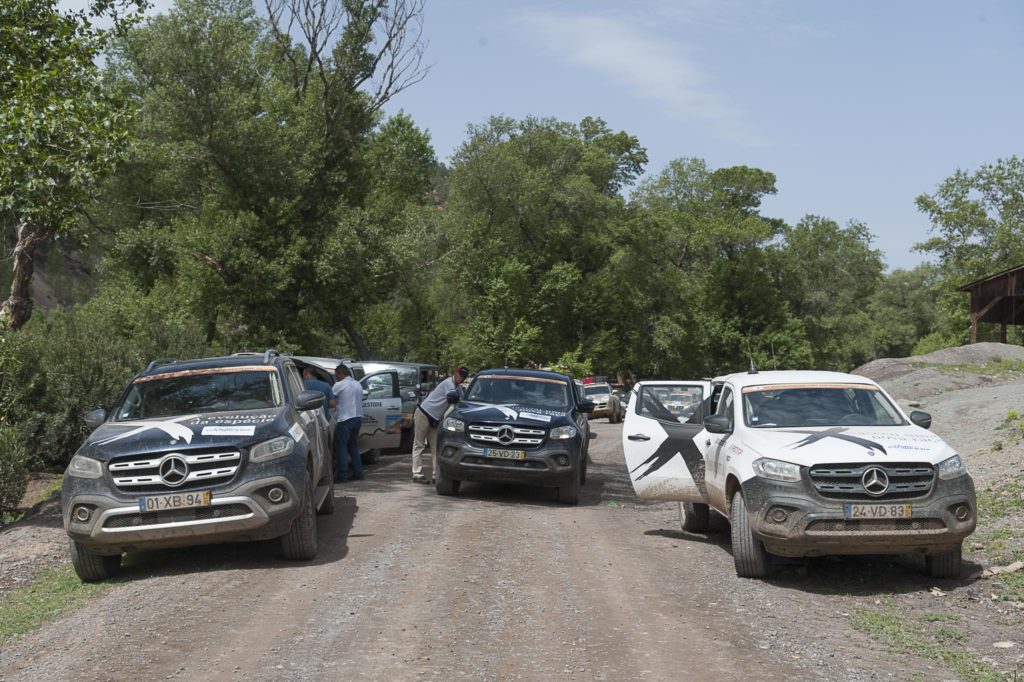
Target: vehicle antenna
752, 370
775, 364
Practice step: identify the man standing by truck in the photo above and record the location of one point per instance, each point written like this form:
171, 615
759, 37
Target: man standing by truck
427, 418
348, 413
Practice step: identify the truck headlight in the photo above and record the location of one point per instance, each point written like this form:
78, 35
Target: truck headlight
563, 432
952, 467
85, 467
282, 446
453, 424
776, 470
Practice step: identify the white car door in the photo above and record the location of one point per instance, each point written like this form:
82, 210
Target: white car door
382, 411
663, 461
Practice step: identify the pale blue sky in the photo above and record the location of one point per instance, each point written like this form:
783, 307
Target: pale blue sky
857, 107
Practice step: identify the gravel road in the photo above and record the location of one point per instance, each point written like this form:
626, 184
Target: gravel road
501, 582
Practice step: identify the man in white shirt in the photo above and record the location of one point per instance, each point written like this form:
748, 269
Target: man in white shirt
427, 418
348, 414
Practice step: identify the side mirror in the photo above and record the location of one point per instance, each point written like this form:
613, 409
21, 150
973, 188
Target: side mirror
922, 419
587, 406
95, 418
452, 397
309, 400
366, 394
717, 423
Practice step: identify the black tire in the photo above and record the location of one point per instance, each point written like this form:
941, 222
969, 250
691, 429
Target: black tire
300, 542
93, 568
570, 494
944, 565
583, 469
748, 553
693, 517
327, 506
444, 485
370, 456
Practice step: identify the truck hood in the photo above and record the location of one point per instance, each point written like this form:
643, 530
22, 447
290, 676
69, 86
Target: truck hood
845, 444
512, 413
185, 432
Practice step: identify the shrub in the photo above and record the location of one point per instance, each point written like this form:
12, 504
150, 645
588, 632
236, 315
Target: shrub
13, 470
68, 363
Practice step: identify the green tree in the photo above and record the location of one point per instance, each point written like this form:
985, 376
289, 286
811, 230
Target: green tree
530, 209
978, 225
250, 191
829, 274
60, 130
691, 289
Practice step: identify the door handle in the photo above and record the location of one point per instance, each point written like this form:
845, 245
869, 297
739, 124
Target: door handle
394, 409
707, 442
638, 436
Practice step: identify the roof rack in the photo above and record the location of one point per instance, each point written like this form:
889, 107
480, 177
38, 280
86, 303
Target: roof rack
270, 353
159, 361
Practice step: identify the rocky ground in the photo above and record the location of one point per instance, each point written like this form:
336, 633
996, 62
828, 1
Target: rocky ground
502, 582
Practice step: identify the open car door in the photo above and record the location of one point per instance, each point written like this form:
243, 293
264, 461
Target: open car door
657, 438
382, 411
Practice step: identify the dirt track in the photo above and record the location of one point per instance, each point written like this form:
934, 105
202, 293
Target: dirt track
500, 582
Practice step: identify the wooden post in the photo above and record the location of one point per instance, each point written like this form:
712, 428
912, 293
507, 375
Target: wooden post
974, 316
1002, 332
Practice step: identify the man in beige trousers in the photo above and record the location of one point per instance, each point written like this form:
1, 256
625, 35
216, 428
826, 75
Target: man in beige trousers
428, 417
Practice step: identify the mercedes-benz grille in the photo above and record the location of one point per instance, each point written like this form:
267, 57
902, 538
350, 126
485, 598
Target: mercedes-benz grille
870, 482
505, 435
166, 471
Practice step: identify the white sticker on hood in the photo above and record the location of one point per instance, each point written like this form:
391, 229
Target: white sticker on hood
296, 432
229, 430
535, 417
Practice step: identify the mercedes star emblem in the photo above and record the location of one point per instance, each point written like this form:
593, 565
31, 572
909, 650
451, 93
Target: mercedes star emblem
506, 435
173, 470
875, 481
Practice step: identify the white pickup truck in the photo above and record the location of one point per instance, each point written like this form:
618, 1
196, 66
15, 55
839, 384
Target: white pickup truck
802, 464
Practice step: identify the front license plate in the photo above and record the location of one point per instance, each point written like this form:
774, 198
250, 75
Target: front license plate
504, 454
175, 501
877, 511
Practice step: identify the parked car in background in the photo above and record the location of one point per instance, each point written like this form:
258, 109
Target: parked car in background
201, 451
415, 381
382, 402
802, 464
517, 426
606, 403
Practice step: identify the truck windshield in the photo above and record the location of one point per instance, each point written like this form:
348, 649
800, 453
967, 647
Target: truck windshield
198, 391
818, 405
514, 390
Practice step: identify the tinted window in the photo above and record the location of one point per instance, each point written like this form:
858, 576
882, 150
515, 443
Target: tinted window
513, 390
677, 403
818, 405
200, 391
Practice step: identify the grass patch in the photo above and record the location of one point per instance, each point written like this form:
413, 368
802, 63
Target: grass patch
941, 644
996, 502
940, 618
53, 593
998, 368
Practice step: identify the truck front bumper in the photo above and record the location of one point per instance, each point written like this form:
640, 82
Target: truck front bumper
792, 521
117, 524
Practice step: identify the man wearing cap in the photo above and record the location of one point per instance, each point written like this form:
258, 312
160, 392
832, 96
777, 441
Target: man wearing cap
427, 418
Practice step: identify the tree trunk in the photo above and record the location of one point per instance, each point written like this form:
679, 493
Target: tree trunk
17, 309
353, 334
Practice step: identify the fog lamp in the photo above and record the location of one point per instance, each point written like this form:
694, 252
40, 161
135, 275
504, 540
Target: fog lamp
82, 513
275, 495
563, 460
779, 515
961, 512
